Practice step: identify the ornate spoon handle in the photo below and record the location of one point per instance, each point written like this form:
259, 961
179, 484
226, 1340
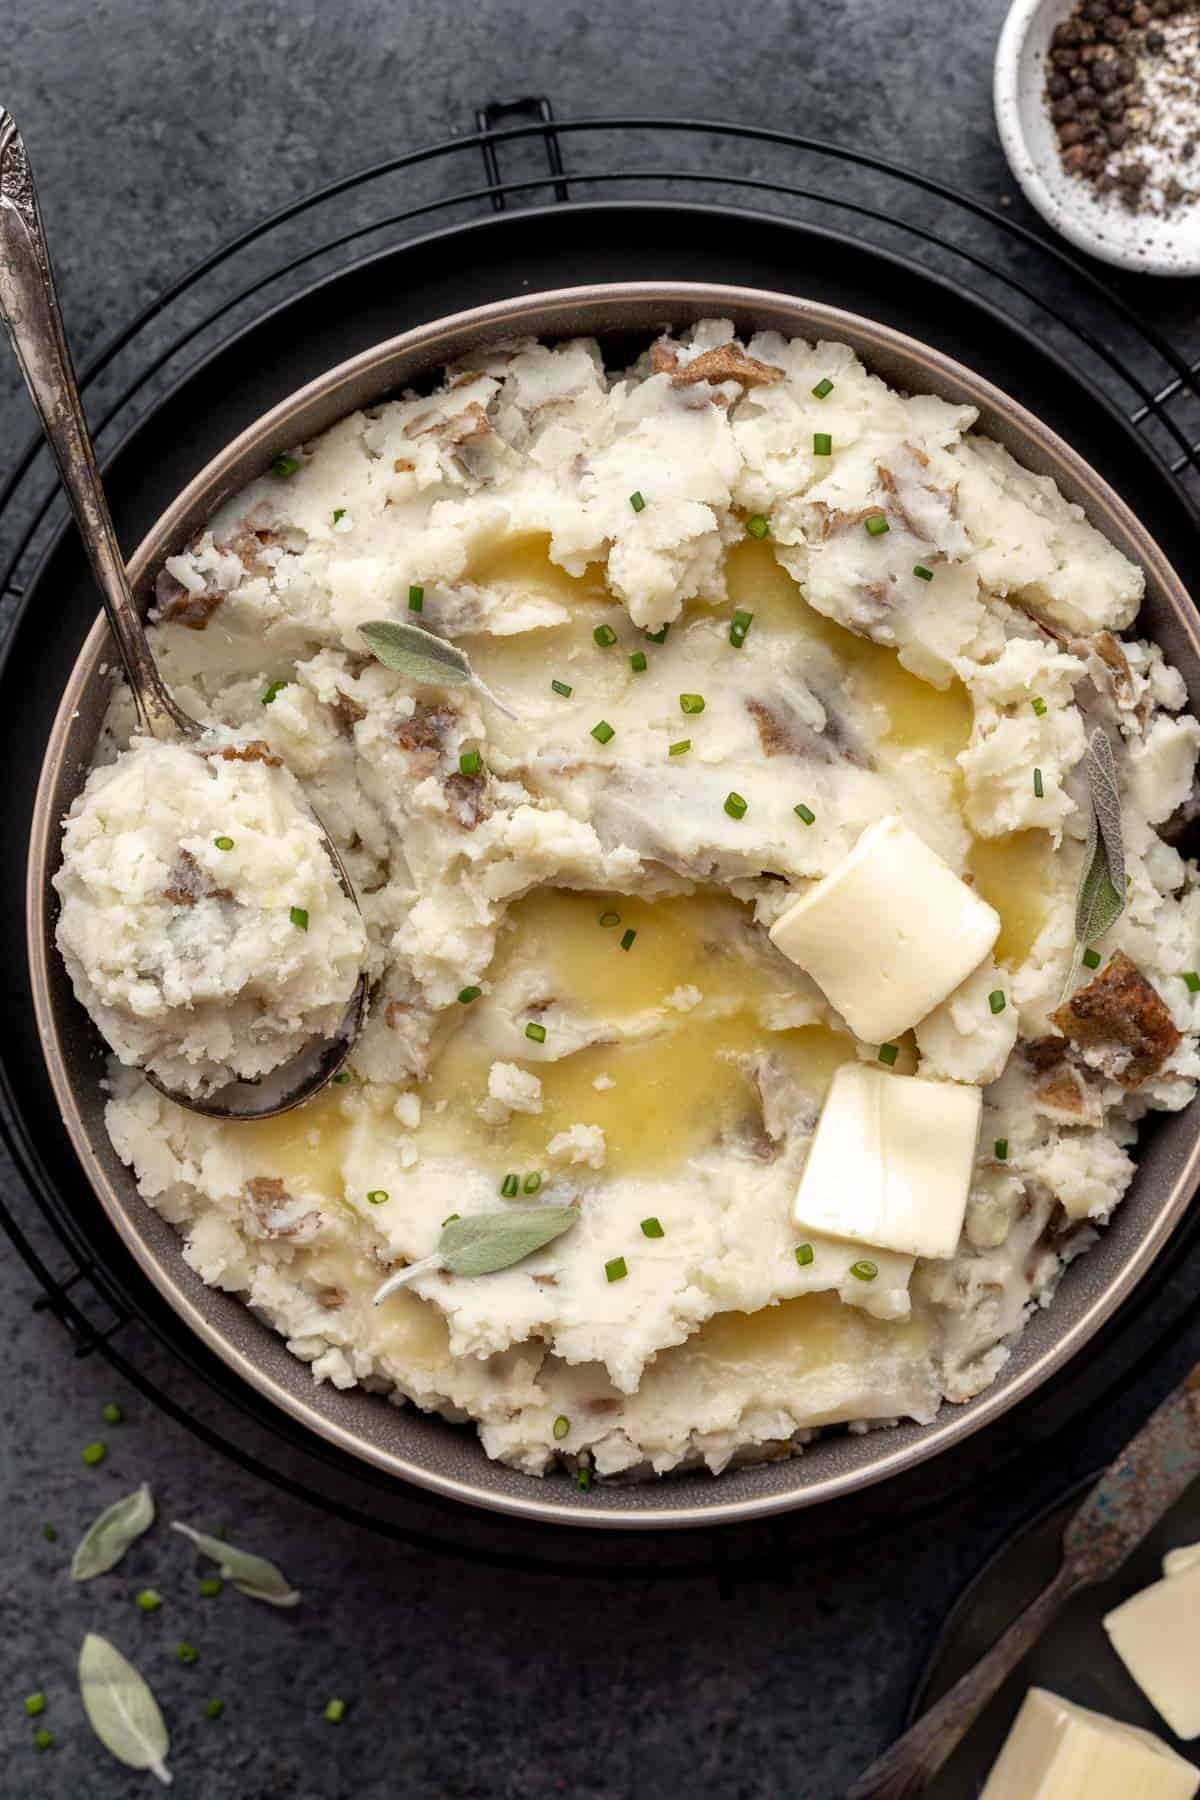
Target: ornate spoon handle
30, 310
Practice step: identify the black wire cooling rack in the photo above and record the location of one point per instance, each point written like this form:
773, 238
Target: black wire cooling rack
520, 155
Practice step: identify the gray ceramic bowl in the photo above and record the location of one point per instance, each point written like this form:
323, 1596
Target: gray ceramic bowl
424, 1449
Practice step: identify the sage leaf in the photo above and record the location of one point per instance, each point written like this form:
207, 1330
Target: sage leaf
108, 1537
121, 1710
250, 1574
487, 1242
423, 656
1100, 900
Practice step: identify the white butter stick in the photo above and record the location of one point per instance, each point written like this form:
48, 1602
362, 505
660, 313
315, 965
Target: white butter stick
1059, 1751
1157, 1636
888, 933
1176, 1562
891, 1162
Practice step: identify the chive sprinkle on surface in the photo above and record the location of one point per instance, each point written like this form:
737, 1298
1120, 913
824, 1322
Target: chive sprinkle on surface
416, 599
876, 525
563, 688
652, 1229
608, 919
615, 1269
186, 1653
822, 444
339, 513
806, 813
467, 994
214, 1709
111, 1413
691, 703
637, 662
377, 1196
223, 843
509, 1186
681, 748
627, 938
341, 1078
604, 636
149, 1600
1191, 980
94, 1453
335, 1711
922, 573
449, 1219
1000, 1149
636, 501
285, 465
35, 1704
1038, 705
603, 732
996, 1000
804, 1254
735, 806
823, 387
42, 1739
864, 1270
739, 625
1091, 960
470, 762
50, 1533
533, 1182
757, 526
536, 1032
583, 1480
561, 1426
1039, 791
888, 1053
210, 1587
299, 917
270, 691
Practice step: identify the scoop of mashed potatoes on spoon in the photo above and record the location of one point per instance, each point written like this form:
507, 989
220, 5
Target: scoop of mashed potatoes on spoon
202, 920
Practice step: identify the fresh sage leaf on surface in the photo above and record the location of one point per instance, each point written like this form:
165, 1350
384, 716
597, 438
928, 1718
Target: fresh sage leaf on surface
121, 1710
107, 1538
250, 1574
486, 1242
1100, 900
423, 656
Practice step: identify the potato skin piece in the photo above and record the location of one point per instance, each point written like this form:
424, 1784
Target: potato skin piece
1122, 1011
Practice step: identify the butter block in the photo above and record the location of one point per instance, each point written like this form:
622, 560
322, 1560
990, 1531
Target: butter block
1059, 1751
1157, 1636
888, 933
891, 1162
1175, 1562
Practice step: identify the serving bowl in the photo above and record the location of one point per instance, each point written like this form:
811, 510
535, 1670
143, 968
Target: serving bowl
426, 1449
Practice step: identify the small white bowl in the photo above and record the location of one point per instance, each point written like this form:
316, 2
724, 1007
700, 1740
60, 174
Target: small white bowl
1097, 223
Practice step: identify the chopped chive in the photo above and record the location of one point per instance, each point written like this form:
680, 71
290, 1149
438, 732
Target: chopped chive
876, 524
210, 1587
888, 1053
536, 1032
1191, 980
111, 1413
186, 1653
636, 501
50, 1533
470, 762
270, 691
149, 1600
823, 387
42, 1739
339, 513
416, 599
735, 806
214, 1709
1038, 705
1091, 960
335, 1711
659, 636
681, 748
562, 687
533, 1182
627, 938
615, 1269
1000, 1149
738, 627
467, 994
610, 918
449, 1219
922, 573
94, 1453
651, 1228
757, 526
299, 917
864, 1270
637, 662
35, 1704
561, 1426
822, 443
603, 732
583, 1480
285, 465
996, 1000
341, 1079
804, 1254
806, 813
604, 636
510, 1186
376, 1196
223, 843
691, 703
1038, 790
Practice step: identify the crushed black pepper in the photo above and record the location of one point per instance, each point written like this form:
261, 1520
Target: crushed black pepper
1123, 93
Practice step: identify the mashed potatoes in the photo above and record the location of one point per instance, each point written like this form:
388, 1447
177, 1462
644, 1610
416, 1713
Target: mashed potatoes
722, 673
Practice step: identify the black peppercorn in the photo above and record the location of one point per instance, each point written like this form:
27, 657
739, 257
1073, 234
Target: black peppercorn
1096, 11
1062, 110
1104, 77
1115, 28
1122, 6
1066, 33
1075, 158
1077, 76
1086, 97
1057, 86
1070, 131
1112, 106
1139, 13
1124, 69
1155, 42
1118, 135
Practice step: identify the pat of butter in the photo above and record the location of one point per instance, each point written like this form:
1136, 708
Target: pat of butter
1059, 1751
1175, 1562
891, 1162
888, 933
1157, 1637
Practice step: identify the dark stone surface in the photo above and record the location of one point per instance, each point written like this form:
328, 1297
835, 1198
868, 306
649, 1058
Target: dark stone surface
157, 130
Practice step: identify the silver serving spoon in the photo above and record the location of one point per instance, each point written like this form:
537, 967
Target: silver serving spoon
30, 310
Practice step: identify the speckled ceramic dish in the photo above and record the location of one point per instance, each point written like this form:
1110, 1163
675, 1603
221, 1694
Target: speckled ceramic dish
426, 1449
1096, 223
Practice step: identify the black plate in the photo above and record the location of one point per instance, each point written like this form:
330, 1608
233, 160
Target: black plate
375, 299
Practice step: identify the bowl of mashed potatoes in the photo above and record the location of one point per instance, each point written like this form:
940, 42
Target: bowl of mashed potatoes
725, 901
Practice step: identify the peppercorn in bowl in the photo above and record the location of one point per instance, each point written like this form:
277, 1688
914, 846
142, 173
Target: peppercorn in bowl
720, 744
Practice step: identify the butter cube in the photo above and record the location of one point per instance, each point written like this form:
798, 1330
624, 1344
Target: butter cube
888, 933
1059, 1751
1157, 1637
891, 1162
1176, 1561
